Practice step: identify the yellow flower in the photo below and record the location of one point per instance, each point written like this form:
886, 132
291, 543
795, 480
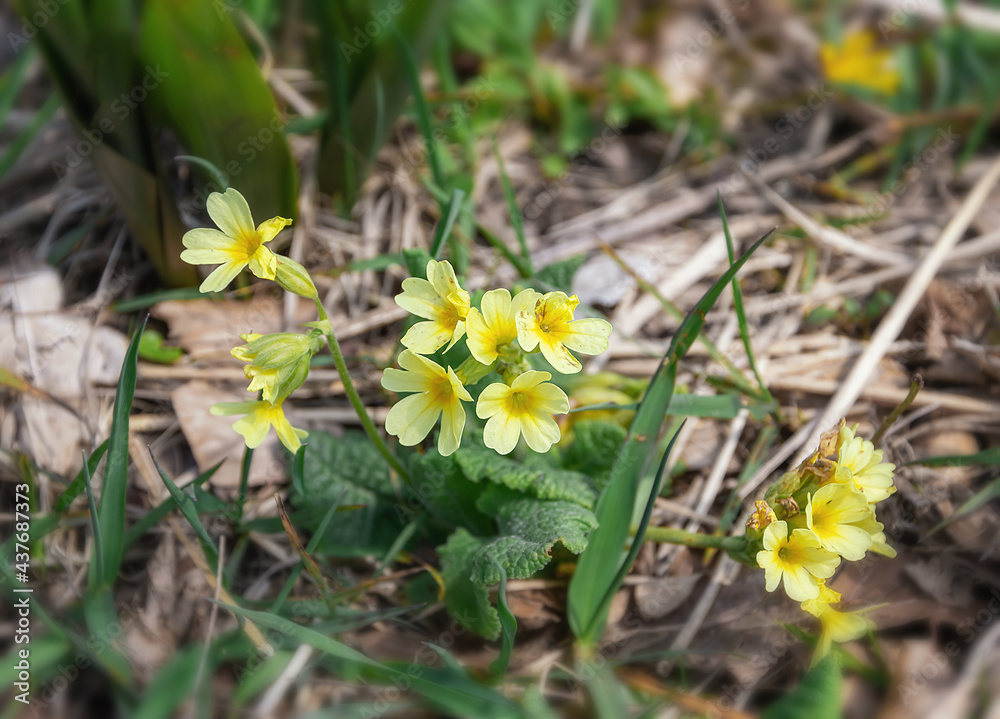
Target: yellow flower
525, 407
441, 301
836, 626
762, 516
279, 362
876, 530
860, 464
260, 415
237, 246
835, 513
493, 329
797, 558
552, 329
858, 62
439, 393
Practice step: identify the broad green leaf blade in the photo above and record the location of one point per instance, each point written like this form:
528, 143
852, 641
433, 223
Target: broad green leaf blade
467, 601
816, 697
214, 98
599, 565
111, 512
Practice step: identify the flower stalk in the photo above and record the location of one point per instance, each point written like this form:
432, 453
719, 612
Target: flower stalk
696, 540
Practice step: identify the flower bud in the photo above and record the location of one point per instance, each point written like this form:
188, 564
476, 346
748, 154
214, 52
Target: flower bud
293, 277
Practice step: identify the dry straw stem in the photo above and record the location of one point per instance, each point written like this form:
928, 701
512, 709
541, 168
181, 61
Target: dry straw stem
890, 327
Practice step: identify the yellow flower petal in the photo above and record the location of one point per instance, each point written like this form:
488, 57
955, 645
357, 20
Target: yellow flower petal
231, 213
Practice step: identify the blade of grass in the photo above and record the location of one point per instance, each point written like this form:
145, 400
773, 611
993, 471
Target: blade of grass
741, 315
310, 565
95, 524
111, 511
600, 563
516, 219
241, 497
156, 515
13, 81
423, 111
24, 138
186, 506
451, 211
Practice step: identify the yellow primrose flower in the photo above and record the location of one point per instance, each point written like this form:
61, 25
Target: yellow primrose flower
493, 329
876, 530
857, 61
858, 462
836, 626
834, 513
260, 415
237, 246
797, 558
279, 362
525, 407
439, 393
441, 301
552, 329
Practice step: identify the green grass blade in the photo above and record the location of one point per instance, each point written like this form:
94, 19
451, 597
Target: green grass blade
160, 511
186, 505
241, 496
24, 138
412, 72
13, 81
508, 628
516, 219
451, 211
988, 457
605, 605
95, 524
600, 562
171, 686
111, 512
985, 494
741, 315
817, 696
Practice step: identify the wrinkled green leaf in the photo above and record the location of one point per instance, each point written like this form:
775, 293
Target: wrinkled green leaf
467, 601
534, 476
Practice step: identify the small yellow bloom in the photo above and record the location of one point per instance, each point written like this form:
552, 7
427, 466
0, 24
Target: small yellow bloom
877, 532
835, 513
493, 329
441, 301
438, 393
552, 329
857, 61
260, 415
797, 558
237, 246
525, 407
860, 464
279, 362
836, 626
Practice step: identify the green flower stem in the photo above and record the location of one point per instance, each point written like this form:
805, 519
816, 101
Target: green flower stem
359, 407
669, 535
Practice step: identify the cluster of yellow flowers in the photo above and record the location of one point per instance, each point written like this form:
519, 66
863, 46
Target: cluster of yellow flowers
277, 363
802, 548
499, 336
857, 60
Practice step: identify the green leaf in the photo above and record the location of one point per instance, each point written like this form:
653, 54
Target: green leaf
152, 349
986, 458
111, 512
443, 231
156, 515
595, 445
599, 565
186, 505
467, 601
209, 73
508, 625
446, 493
527, 530
558, 275
172, 685
816, 697
534, 476
351, 470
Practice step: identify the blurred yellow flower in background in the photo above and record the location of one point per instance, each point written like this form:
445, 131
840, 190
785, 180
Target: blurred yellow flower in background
261, 416
857, 61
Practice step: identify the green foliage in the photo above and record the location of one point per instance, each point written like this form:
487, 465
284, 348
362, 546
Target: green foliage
348, 469
152, 349
817, 696
594, 448
558, 275
528, 529
467, 601
533, 476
